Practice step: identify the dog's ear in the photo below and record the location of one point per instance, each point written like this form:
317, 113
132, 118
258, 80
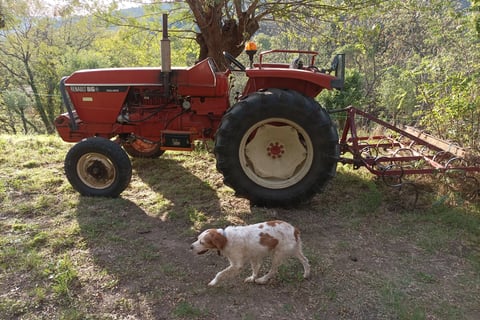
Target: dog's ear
216, 239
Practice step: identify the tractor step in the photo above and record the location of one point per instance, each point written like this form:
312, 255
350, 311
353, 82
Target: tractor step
176, 140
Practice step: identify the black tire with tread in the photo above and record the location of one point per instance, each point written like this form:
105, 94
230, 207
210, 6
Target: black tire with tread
109, 149
286, 104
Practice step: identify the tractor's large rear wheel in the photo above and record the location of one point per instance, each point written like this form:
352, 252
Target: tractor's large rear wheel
98, 167
276, 148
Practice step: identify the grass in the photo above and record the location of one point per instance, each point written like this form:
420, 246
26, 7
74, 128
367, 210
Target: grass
397, 300
63, 256
186, 310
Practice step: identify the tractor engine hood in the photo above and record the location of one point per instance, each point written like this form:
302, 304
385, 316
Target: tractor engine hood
116, 77
199, 80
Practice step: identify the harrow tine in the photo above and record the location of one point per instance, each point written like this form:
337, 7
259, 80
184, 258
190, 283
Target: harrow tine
397, 153
390, 179
473, 194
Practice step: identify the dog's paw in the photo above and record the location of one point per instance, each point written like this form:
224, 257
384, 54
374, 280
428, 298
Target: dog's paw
213, 283
250, 279
262, 280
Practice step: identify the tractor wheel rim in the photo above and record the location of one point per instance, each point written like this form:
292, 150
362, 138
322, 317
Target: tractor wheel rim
276, 153
96, 170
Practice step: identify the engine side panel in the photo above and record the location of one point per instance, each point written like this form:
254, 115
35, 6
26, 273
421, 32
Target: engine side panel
110, 102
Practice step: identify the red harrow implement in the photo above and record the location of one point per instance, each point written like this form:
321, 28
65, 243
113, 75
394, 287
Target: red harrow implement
397, 153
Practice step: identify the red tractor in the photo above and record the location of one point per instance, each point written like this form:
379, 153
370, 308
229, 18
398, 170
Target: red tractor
275, 145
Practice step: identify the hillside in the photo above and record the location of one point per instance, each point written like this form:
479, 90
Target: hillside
63, 256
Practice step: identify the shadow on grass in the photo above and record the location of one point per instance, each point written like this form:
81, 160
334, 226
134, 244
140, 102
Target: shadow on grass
143, 251
143, 267
185, 192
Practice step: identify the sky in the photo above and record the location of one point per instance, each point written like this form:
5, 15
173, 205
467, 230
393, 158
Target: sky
123, 4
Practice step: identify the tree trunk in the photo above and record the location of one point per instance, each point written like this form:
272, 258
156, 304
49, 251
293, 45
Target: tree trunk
219, 33
2, 16
38, 102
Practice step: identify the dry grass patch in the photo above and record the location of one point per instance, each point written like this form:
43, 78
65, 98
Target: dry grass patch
64, 256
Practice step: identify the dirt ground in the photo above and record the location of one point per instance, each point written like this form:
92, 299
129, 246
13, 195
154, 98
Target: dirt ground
371, 265
370, 258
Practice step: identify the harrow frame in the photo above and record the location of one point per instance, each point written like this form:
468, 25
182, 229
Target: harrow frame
406, 151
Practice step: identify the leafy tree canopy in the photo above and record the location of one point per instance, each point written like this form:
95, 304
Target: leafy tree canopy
225, 25
413, 61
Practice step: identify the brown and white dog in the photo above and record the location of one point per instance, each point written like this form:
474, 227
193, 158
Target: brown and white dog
252, 243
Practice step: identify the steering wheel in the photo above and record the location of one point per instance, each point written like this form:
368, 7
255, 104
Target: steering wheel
231, 60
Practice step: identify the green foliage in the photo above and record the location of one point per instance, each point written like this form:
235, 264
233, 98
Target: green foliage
2, 17
17, 103
476, 15
64, 277
263, 41
397, 95
88, 60
351, 95
407, 60
450, 103
35, 48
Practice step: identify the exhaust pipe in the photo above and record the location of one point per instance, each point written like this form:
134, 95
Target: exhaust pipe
166, 56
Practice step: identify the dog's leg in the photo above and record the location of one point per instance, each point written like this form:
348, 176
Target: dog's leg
304, 261
255, 268
276, 262
226, 273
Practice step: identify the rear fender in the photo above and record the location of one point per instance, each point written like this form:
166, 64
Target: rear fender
309, 81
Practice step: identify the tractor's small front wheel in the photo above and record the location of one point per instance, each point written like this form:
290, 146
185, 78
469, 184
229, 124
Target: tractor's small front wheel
276, 147
98, 167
